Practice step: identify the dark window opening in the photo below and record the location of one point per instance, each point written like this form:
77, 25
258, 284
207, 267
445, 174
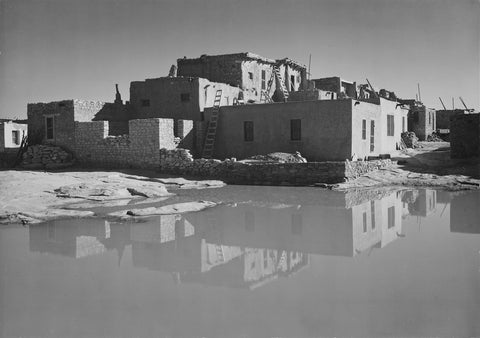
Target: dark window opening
61, 104
372, 136
429, 118
390, 125
250, 75
248, 131
49, 128
364, 222
297, 223
292, 83
403, 124
391, 217
145, 103
16, 137
296, 130
263, 80
364, 129
185, 97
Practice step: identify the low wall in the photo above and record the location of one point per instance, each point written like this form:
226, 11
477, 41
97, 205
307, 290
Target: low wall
180, 161
138, 149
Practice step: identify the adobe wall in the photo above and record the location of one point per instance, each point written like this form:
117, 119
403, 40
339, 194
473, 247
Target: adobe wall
180, 161
216, 68
465, 135
325, 130
390, 143
422, 122
368, 112
252, 88
63, 114
165, 97
85, 110
6, 136
443, 117
139, 149
312, 94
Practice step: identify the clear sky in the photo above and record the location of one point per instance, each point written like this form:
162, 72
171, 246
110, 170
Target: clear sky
64, 49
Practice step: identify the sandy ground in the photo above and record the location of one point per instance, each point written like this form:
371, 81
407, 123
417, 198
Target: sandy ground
35, 196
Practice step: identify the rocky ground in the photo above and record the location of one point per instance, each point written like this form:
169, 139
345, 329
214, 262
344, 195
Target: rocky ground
427, 166
35, 196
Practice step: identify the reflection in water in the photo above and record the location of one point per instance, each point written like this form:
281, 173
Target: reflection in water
245, 244
361, 273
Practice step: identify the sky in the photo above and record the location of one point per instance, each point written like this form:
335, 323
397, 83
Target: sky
64, 49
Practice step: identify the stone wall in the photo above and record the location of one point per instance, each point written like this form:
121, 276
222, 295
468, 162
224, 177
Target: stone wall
465, 136
180, 161
443, 117
46, 156
138, 149
62, 113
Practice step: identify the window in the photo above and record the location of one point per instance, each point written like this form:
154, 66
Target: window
429, 118
16, 137
145, 103
185, 97
403, 124
391, 217
49, 128
250, 75
364, 222
248, 131
297, 222
372, 211
364, 129
372, 136
390, 125
263, 79
292, 83
296, 130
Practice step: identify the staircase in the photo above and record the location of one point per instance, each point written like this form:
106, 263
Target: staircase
212, 127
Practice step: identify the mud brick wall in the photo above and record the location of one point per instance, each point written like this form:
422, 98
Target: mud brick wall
465, 136
180, 161
138, 149
63, 122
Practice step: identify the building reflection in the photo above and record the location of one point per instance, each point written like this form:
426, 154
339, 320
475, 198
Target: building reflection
244, 245
465, 213
72, 238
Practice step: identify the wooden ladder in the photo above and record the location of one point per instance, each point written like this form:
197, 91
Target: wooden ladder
279, 76
212, 127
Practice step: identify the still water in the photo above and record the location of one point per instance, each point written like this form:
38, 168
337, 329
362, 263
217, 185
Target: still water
269, 262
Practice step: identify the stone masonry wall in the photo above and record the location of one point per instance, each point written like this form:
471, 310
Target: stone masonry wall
465, 135
180, 161
138, 149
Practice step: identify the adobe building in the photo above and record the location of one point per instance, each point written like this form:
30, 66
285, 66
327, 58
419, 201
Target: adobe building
444, 116
11, 135
337, 87
465, 135
421, 120
177, 97
321, 130
248, 71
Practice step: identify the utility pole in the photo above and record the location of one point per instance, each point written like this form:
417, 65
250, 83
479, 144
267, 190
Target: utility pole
419, 96
453, 102
442, 103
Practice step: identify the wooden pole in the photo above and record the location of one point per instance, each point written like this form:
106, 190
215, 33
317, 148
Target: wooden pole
442, 103
309, 64
419, 96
